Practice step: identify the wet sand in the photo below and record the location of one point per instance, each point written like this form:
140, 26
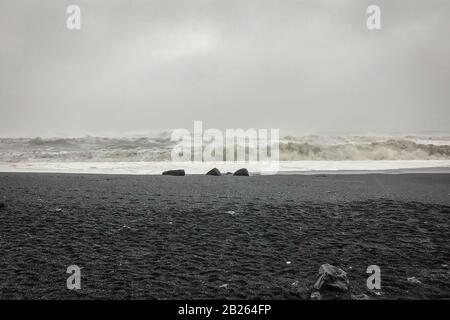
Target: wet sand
204, 237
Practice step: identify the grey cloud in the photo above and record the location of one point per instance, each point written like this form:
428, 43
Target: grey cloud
301, 66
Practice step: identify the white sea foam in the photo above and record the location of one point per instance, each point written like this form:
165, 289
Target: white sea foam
150, 154
284, 167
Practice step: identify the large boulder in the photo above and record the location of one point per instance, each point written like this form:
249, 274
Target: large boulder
214, 172
174, 173
331, 277
241, 172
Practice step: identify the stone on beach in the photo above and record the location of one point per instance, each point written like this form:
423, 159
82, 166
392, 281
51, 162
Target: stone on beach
214, 172
174, 173
331, 277
414, 280
241, 172
362, 296
315, 295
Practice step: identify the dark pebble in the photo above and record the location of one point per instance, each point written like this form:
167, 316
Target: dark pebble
174, 173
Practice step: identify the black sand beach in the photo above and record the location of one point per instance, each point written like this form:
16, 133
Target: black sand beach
204, 237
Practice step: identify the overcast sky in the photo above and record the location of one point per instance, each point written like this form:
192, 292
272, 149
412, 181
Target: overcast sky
300, 66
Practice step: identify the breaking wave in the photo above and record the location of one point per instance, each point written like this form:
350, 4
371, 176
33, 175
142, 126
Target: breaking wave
390, 149
159, 147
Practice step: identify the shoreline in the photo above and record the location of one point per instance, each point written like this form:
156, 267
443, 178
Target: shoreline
255, 168
432, 171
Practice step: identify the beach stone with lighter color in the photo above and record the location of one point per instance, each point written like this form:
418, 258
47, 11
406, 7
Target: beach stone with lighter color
241, 172
174, 173
414, 280
315, 296
331, 277
214, 172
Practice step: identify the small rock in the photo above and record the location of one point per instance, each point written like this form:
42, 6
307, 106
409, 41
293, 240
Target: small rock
241, 172
224, 286
214, 172
331, 277
229, 173
360, 297
414, 280
231, 212
315, 295
288, 262
375, 293
58, 210
174, 173
444, 265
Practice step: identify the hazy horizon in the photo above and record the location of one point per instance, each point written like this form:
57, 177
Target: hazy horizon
283, 134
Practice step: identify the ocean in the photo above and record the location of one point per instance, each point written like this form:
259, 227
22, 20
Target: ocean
151, 154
